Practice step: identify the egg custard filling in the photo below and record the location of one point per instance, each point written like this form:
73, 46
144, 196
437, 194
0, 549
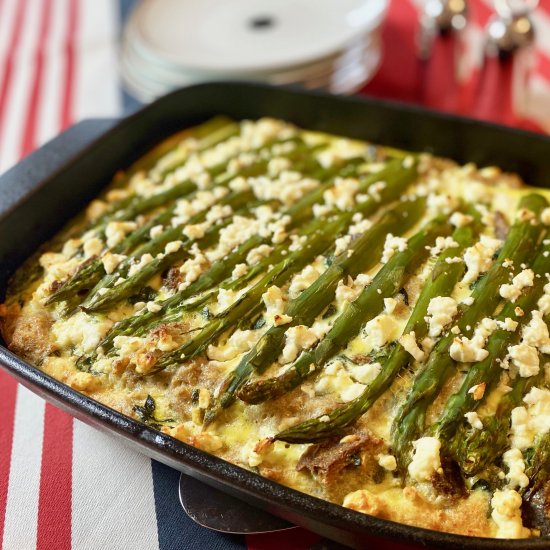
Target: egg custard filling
364, 324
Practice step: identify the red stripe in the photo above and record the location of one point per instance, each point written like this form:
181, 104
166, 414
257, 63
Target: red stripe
67, 98
8, 392
31, 120
55, 497
5, 77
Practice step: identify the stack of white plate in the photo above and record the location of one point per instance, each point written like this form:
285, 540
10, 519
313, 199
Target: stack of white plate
326, 44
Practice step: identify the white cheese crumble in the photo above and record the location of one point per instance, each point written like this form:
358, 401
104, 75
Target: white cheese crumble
92, 247
298, 338
408, 341
275, 302
240, 342
140, 264
506, 514
471, 350
535, 333
391, 245
545, 216
522, 280
479, 258
426, 460
458, 219
441, 311
532, 420
239, 271
350, 290
513, 460
525, 358
508, 324
341, 244
303, 280
116, 232
387, 462
342, 194
441, 244
256, 254
111, 261
381, 330
473, 419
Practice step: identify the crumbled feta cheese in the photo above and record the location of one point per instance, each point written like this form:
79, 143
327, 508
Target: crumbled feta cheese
360, 227
535, 333
471, 350
239, 271
111, 261
381, 330
256, 254
387, 462
426, 460
366, 373
441, 311
298, 338
507, 515
350, 290
375, 190
240, 342
226, 298
193, 267
522, 280
531, 421
281, 319
239, 184
351, 392
153, 307
508, 324
479, 258
341, 244
474, 420
545, 216
156, 231
173, 247
218, 212
196, 231
513, 460
303, 280
274, 301
441, 244
342, 194
143, 261
116, 232
408, 341
525, 358
389, 305
92, 247
458, 219
321, 210
391, 245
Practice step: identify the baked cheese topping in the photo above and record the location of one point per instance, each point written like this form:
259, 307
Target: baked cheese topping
364, 324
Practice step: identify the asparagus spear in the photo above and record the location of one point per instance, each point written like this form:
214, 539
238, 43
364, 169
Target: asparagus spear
320, 238
538, 465
441, 283
474, 450
488, 371
91, 273
365, 252
361, 256
209, 133
370, 302
213, 278
521, 240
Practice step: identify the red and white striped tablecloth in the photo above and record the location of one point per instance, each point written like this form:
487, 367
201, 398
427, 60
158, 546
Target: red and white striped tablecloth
62, 484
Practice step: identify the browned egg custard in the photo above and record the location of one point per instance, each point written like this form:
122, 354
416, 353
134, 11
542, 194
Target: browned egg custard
363, 324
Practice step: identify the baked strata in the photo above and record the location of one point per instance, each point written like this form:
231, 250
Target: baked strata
357, 322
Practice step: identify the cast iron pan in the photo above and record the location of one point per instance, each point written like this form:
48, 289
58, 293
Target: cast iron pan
45, 190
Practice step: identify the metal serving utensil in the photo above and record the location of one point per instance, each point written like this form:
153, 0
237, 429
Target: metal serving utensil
219, 511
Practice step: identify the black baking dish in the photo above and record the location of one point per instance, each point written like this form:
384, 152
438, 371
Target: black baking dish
45, 190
